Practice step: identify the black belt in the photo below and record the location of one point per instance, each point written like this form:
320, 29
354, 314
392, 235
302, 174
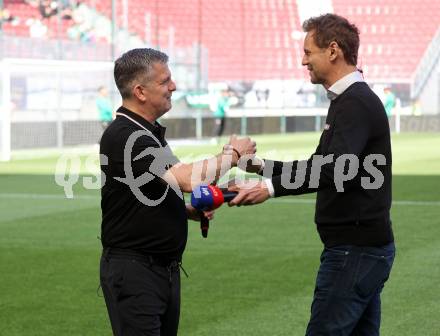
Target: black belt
112, 252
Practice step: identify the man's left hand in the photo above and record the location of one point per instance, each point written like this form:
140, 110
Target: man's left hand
195, 214
249, 194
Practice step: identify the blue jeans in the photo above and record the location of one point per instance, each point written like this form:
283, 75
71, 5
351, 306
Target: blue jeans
347, 293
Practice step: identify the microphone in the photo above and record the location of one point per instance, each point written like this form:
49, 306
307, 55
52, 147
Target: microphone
209, 197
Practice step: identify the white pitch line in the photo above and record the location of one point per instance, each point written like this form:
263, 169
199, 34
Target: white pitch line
312, 201
46, 196
276, 200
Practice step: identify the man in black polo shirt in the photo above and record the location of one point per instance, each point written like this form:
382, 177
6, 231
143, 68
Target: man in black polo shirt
353, 194
144, 215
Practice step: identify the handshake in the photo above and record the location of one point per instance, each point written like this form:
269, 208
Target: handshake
253, 192
206, 198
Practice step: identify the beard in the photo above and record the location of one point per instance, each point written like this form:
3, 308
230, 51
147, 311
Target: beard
315, 79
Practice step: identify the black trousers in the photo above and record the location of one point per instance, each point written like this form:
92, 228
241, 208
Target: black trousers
142, 297
219, 126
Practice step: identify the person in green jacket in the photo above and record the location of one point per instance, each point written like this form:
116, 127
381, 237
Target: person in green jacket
220, 113
389, 102
104, 106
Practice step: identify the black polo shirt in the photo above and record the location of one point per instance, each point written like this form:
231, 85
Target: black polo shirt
140, 211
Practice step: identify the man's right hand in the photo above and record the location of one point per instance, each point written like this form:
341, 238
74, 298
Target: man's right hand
249, 193
244, 146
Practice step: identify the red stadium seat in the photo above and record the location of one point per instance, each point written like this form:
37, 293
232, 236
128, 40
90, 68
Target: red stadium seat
408, 26
254, 39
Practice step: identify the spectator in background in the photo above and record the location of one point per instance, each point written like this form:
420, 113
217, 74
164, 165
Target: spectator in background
6, 16
32, 3
104, 106
47, 8
87, 35
66, 9
220, 113
263, 95
37, 29
389, 101
416, 109
85, 21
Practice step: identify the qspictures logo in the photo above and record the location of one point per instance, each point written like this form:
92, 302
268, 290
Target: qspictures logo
158, 159
68, 168
162, 159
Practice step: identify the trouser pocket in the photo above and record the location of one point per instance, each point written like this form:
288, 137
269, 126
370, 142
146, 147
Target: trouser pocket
373, 272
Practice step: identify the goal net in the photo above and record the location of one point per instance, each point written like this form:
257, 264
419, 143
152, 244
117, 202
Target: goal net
46, 104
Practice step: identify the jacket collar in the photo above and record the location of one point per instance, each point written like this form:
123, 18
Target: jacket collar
343, 84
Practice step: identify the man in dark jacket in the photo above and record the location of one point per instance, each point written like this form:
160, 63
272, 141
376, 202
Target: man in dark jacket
351, 173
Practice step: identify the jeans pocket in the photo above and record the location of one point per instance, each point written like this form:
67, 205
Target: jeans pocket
331, 270
373, 272
334, 259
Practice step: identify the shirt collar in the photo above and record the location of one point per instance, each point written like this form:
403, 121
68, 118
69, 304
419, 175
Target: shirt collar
342, 84
156, 128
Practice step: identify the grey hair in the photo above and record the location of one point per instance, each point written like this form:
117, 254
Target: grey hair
134, 64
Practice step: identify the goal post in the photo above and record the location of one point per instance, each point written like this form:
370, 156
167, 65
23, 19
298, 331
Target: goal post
5, 114
51, 103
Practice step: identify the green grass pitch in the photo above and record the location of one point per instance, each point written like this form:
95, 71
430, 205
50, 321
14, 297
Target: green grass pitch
255, 273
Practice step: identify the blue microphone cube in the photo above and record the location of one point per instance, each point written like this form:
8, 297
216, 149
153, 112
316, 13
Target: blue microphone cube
202, 198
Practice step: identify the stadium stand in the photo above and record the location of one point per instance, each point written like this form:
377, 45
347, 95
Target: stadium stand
394, 35
253, 47
246, 40
29, 14
258, 40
